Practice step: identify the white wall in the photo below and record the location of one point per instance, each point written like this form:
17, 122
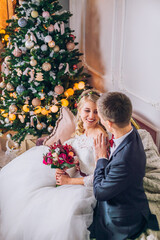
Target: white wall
120, 40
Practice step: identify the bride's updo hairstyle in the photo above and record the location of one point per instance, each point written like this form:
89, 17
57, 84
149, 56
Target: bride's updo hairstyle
87, 95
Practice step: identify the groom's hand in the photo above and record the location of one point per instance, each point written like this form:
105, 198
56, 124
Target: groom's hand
100, 144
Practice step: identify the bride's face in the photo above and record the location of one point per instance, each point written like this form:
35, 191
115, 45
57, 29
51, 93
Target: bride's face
89, 115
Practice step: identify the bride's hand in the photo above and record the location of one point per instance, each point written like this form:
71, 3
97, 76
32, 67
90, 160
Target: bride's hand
63, 179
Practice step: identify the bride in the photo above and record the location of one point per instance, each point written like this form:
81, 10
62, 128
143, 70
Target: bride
32, 207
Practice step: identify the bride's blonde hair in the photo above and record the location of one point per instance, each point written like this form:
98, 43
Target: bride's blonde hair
91, 95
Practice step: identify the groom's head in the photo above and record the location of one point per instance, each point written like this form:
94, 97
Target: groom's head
115, 108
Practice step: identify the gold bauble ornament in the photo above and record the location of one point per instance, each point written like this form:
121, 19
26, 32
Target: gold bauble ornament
75, 86
69, 92
59, 89
6, 37
46, 66
9, 87
54, 109
70, 46
81, 85
37, 110
64, 102
12, 117
56, 48
26, 108
51, 44
13, 108
36, 102
34, 14
33, 62
4, 114
44, 111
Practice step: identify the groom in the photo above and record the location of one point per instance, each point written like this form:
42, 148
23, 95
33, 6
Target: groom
122, 209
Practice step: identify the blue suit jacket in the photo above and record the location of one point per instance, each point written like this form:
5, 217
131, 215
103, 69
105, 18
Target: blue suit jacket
118, 187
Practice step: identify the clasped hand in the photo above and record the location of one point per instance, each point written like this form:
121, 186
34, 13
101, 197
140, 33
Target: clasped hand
100, 145
62, 177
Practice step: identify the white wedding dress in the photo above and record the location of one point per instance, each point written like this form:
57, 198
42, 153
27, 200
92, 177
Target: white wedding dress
33, 208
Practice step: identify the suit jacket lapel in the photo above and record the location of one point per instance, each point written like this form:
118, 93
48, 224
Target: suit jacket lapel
123, 143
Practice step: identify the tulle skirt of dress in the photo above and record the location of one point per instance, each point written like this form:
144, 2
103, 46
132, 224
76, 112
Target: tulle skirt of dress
33, 208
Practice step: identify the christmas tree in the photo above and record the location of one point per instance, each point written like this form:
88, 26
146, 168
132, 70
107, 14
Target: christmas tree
40, 69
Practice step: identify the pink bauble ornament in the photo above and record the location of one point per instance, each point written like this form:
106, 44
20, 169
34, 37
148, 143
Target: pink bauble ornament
51, 28
51, 44
48, 39
36, 102
46, 66
59, 89
17, 52
70, 46
45, 14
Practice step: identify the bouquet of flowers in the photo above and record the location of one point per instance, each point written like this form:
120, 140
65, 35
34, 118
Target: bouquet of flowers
60, 156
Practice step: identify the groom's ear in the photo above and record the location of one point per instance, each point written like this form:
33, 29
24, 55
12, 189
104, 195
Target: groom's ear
109, 123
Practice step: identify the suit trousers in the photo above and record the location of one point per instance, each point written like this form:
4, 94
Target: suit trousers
118, 228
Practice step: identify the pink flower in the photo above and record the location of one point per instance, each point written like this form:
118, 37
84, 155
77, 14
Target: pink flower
44, 161
63, 156
49, 160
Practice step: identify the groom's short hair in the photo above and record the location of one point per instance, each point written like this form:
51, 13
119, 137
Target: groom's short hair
115, 107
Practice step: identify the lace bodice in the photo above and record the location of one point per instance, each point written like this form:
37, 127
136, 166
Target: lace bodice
84, 149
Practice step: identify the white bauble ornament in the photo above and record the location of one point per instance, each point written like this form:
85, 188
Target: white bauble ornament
36, 102
70, 46
48, 39
7, 59
6, 120
9, 136
39, 126
9, 87
59, 89
29, 44
56, 48
50, 129
13, 108
45, 14
50, 28
22, 22
34, 14
46, 66
22, 2
2, 84
44, 47
33, 62
51, 44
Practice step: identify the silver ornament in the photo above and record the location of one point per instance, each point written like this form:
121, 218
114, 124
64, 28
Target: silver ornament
22, 22
9, 136
44, 47
20, 89
50, 129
